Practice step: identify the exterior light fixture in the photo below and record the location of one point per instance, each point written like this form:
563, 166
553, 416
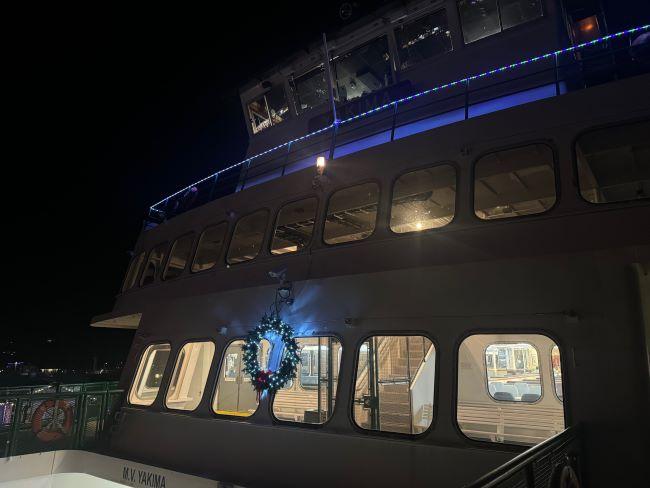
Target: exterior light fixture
320, 165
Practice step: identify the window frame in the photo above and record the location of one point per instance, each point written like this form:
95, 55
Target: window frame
345, 187
415, 18
263, 95
550, 143
576, 175
456, 168
136, 280
190, 256
298, 112
436, 389
198, 243
156, 278
134, 377
559, 351
265, 236
275, 223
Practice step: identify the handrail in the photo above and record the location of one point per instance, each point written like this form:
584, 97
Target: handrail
154, 210
524, 459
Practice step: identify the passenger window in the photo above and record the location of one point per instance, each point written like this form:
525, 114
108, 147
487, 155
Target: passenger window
351, 214
310, 89
294, 226
423, 199
235, 394
501, 394
154, 263
178, 257
395, 383
363, 70
614, 163
209, 248
311, 399
133, 271
423, 38
189, 376
556, 366
514, 182
487, 17
247, 238
269, 109
149, 375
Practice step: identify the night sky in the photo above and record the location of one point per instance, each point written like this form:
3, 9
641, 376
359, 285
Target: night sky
110, 109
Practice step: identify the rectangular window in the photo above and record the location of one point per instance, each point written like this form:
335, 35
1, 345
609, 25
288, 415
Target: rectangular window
178, 257
504, 382
133, 271
235, 394
154, 264
310, 89
614, 163
268, 109
423, 38
363, 70
294, 226
351, 214
556, 366
395, 382
423, 199
189, 376
149, 375
209, 248
311, 399
248, 237
514, 182
483, 18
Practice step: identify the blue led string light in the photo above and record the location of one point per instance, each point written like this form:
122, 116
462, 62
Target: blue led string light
409, 98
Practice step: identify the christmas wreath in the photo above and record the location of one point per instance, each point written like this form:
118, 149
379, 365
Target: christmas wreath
267, 380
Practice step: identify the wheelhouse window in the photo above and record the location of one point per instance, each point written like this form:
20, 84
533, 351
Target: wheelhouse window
309, 89
351, 214
154, 264
209, 249
514, 182
614, 163
311, 399
134, 269
269, 109
235, 394
149, 375
190, 374
247, 238
483, 18
423, 199
178, 257
395, 380
294, 226
363, 70
502, 385
423, 38
556, 368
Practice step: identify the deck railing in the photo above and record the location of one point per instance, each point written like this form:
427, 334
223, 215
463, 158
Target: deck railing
51, 417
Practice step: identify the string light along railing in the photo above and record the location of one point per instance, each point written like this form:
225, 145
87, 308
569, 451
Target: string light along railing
394, 103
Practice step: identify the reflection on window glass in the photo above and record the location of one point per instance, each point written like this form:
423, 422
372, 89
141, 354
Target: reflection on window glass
423, 38
423, 199
294, 226
268, 109
503, 380
149, 375
395, 382
209, 248
235, 395
178, 256
310, 89
133, 271
248, 237
154, 263
515, 12
479, 19
364, 70
556, 368
311, 399
514, 182
189, 376
614, 163
351, 214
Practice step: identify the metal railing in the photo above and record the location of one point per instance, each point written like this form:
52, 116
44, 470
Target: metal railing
539, 466
50, 417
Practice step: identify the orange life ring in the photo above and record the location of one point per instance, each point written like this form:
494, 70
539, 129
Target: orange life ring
46, 426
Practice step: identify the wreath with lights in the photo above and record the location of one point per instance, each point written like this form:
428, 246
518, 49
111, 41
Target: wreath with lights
267, 380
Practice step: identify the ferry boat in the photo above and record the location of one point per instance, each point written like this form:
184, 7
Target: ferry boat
447, 203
